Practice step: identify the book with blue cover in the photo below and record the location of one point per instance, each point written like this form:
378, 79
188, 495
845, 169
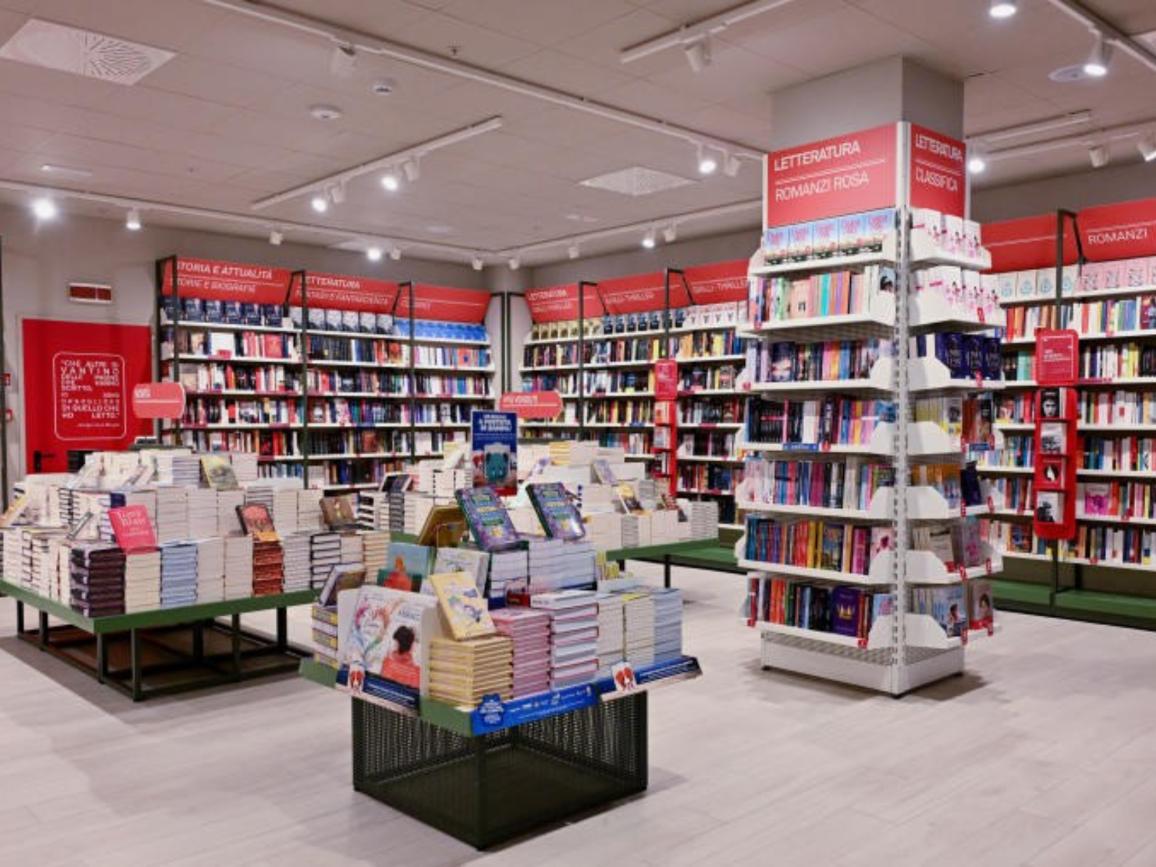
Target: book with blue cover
233, 314
407, 567
214, 311
489, 521
556, 510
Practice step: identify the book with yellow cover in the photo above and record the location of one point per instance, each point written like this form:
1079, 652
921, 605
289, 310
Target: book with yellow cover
462, 604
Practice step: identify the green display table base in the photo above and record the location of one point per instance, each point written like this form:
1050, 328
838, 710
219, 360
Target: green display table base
165, 651
490, 788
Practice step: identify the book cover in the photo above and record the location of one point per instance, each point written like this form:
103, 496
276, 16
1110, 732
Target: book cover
408, 567
257, 522
462, 605
337, 512
474, 563
343, 576
494, 450
980, 605
384, 634
219, 473
559, 516
444, 527
845, 605
488, 518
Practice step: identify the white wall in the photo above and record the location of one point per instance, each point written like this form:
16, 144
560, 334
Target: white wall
1073, 192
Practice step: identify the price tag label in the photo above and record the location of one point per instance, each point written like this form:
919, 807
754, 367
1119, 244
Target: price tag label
980, 316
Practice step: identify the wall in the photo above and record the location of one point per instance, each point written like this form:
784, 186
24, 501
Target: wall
41, 260
1073, 192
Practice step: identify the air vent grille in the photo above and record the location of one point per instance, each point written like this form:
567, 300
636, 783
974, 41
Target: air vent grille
637, 181
82, 52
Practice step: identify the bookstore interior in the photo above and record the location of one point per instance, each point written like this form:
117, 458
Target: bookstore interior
599, 431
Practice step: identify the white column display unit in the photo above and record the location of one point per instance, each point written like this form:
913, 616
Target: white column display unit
845, 375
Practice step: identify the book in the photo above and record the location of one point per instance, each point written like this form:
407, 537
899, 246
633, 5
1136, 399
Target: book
343, 576
383, 635
219, 473
980, 605
474, 563
408, 567
444, 527
337, 512
488, 519
556, 510
257, 522
462, 605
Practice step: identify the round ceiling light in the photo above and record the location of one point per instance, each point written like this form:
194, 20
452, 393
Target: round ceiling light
325, 112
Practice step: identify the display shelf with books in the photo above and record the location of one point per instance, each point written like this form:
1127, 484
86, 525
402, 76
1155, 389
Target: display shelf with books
870, 384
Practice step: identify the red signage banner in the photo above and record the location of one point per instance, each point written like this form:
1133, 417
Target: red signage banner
340, 292
445, 303
1125, 230
1057, 357
131, 528
227, 281
1027, 243
642, 293
78, 379
560, 303
532, 404
719, 282
847, 174
666, 379
938, 172
158, 400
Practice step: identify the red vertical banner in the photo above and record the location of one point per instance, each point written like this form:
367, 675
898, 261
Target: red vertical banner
78, 384
666, 379
938, 172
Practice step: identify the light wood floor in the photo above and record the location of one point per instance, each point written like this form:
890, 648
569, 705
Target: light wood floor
1044, 753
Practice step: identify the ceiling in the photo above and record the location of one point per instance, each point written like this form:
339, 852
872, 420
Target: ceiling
226, 122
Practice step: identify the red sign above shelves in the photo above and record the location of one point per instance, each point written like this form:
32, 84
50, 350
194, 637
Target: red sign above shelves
215, 280
938, 172
1126, 230
720, 282
847, 174
532, 404
339, 292
560, 303
1023, 244
445, 303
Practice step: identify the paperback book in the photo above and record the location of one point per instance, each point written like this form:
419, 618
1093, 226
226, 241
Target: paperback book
463, 605
488, 518
556, 510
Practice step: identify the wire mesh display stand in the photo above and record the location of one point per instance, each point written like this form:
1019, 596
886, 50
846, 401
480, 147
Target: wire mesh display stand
487, 789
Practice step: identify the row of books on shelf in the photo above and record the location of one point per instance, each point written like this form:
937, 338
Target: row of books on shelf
285, 444
966, 356
1113, 360
713, 410
1119, 274
831, 420
840, 610
241, 377
821, 239
431, 385
1088, 318
363, 350
614, 381
708, 478
1098, 544
719, 444
1106, 407
708, 344
832, 293
722, 377
722, 315
226, 344
961, 291
1124, 500
1128, 454
228, 312
1015, 452
202, 410
844, 484
812, 544
1013, 492
1019, 366
967, 420
814, 362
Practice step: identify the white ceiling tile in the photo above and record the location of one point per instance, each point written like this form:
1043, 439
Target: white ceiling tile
552, 68
482, 46
544, 22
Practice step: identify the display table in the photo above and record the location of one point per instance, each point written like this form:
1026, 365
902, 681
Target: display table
490, 774
166, 650
695, 554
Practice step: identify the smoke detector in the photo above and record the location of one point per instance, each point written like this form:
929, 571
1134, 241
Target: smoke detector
383, 87
325, 112
1069, 74
83, 52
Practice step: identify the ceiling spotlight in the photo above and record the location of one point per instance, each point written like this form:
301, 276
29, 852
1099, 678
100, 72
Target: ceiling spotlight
670, 233
514, 262
648, 240
1096, 65
337, 193
342, 61
698, 54
573, 252
395, 253
319, 203
1147, 147
1002, 8
1099, 156
373, 254
412, 169
706, 163
44, 208
390, 182
132, 220
731, 165
276, 237
976, 164
478, 262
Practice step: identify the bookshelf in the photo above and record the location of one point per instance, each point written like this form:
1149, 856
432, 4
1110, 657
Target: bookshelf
856, 431
327, 378
1111, 305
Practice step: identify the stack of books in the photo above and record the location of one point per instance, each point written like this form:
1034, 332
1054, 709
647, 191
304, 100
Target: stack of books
309, 509
42, 560
638, 628
529, 630
351, 548
324, 554
227, 503
211, 570
172, 513
186, 471
268, 567
325, 635
667, 623
703, 517
295, 547
375, 545
142, 581
14, 555
573, 635
285, 510
244, 466
96, 575
506, 568
260, 494
416, 509
611, 635
463, 672
178, 574
238, 566
202, 513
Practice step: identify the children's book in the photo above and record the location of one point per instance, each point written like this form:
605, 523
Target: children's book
384, 632
219, 473
488, 518
462, 605
474, 563
980, 605
407, 566
559, 516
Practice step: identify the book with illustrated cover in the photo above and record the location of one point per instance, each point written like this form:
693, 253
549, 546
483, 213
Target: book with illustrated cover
337, 512
407, 566
602, 472
463, 605
980, 605
1053, 438
882, 539
343, 576
488, 518
219, 473
474, 563
257, 522
384, 632
628, 502
559, 516
445, 526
